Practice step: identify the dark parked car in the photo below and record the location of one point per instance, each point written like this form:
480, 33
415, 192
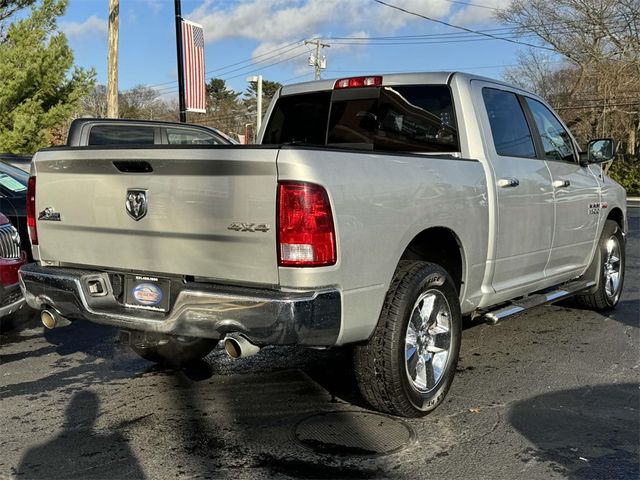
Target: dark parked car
13, 200
11, 259
23, 162
112, 131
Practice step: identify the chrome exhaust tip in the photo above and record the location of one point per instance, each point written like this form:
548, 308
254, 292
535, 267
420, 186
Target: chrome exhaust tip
51, 319
238, 346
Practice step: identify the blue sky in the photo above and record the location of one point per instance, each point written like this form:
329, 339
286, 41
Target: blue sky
266, 31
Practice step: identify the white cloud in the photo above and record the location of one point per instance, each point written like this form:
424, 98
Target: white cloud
156, 6
387, 19
474, 15
277, 24
91, 26
279, 21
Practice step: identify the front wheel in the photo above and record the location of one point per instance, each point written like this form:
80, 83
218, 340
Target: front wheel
170, 350
611, 261
408, 365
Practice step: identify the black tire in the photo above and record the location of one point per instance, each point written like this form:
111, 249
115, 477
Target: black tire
172, 351
381, 371
603, 298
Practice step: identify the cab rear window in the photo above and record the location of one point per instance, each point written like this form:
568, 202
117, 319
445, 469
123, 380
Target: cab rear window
409, 118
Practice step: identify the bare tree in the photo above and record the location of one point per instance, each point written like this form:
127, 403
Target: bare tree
94, 104
596, 87
140, 102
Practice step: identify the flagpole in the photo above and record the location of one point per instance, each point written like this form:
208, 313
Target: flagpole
183, 112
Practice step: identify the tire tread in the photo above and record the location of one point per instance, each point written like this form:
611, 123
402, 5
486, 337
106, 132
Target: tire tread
375, 361
598, 300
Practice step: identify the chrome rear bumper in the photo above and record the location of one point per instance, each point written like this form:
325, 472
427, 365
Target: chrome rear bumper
265, 317
12, 300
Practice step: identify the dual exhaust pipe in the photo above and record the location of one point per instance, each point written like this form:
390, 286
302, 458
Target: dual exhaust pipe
52, 319
236, 345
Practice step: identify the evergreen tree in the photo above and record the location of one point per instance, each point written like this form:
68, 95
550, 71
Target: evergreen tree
40, 89
269, 89
218, 92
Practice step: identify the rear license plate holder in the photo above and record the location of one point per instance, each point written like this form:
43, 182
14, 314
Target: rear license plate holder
147, 292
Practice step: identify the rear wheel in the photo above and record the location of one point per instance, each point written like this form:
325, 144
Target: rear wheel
611, 259
170, 350
409, 363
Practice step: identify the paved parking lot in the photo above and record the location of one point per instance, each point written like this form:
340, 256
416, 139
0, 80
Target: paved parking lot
551, 394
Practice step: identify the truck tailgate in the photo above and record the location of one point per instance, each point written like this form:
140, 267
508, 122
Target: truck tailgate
200, 207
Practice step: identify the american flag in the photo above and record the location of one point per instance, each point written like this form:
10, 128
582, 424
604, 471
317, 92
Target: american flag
193, 67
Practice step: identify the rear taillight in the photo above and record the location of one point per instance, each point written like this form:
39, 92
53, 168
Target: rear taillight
306, 235
31, 210
357, 82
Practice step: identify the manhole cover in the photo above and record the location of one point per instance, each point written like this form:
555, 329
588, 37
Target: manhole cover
353, 433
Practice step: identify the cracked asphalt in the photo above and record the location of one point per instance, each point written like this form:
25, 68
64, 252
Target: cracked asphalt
553, 393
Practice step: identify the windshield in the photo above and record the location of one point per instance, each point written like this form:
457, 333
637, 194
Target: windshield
409, 118
12, 179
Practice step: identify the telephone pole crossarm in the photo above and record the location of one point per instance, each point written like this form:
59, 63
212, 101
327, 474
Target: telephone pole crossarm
315, 61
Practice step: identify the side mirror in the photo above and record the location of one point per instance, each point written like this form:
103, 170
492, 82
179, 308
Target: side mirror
598, 151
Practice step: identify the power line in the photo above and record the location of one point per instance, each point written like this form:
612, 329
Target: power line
442, 22
469, 4
250, 61
454, 69
428, 42
172, 86
600, 105
267, 66
426, 35
300, 76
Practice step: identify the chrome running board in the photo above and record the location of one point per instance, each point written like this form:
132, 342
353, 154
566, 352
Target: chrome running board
535, 300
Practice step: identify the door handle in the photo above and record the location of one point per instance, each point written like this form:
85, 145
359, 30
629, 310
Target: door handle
508, 182
561, 183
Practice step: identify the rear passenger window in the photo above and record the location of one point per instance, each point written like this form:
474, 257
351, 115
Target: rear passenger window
511, 135
121, 135
183, 136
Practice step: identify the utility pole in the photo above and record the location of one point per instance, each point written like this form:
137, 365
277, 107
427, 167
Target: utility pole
315, 61
112, 59
258, 80
183, 109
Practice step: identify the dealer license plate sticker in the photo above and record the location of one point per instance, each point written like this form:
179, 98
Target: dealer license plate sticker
147, 293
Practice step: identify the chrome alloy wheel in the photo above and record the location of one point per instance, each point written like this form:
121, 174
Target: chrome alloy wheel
612, 266
428, 340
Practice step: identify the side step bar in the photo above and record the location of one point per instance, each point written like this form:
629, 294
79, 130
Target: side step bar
537, 299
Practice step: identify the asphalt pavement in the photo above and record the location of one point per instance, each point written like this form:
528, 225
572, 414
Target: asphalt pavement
553, 393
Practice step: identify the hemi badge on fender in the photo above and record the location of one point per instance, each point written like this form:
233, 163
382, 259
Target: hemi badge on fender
49, 215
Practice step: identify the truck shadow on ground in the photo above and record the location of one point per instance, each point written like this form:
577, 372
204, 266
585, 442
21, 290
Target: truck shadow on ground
232, 421
223, 414
625, 312
585, 433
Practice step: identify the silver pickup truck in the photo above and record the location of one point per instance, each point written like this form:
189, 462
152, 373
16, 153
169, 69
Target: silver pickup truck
376, 213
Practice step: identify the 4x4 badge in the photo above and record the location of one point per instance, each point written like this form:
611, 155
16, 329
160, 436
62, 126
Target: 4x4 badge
136, 203
249, 227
